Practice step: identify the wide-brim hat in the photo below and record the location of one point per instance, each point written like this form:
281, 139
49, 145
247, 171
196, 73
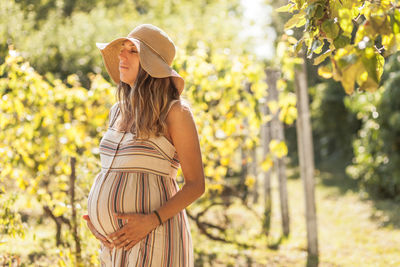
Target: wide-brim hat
156, 53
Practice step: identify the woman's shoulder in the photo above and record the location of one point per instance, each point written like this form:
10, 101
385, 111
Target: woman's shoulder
180, 103
178, 110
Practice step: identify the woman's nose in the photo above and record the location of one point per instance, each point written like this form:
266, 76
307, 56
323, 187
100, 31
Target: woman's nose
121, 53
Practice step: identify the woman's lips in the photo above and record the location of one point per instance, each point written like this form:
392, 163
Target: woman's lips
123, 67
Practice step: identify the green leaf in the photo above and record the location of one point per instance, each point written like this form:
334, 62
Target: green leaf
298, 46
322, 57
297, 20
341, 41
347, 60
325, 72
310, 10
330, 28
278, 148
369, 85
267, 163
316, 46
319, 12
345, 20
373, 63
349, 77
287, 8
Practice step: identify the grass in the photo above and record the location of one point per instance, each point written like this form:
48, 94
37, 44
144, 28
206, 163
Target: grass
352, 229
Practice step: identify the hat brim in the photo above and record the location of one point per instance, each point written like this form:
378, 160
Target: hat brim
150, 61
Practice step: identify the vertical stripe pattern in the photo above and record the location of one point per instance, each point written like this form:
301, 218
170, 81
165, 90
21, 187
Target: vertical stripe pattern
139, 176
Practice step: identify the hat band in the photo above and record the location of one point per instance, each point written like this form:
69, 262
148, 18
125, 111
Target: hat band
152, 49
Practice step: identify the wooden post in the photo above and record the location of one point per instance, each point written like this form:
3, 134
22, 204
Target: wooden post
74, 222
277, 134
244, 163
265, 139
253, 166
306, 159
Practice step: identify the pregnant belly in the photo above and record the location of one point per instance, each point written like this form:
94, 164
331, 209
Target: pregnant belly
126, 192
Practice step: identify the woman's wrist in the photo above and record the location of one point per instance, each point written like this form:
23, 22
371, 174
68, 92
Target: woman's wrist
155, 220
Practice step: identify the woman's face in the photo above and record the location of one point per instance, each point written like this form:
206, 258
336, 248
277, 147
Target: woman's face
128, 62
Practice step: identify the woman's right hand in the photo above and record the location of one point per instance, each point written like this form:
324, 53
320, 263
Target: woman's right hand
97, 234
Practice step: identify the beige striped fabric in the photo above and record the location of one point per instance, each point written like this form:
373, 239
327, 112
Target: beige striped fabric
139, 176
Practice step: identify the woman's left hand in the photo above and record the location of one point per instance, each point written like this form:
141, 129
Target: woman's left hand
137, 227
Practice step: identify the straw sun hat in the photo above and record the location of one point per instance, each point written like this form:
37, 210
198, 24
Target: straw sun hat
156, 53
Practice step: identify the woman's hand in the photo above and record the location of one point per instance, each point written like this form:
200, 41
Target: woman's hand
137, 227
97, 234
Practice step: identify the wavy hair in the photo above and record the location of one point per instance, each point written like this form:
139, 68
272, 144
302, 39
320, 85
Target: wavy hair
144, 106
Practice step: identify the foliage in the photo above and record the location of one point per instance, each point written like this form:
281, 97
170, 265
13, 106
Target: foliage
65, 45
334, 126
377, 150
10, 220
354, 35
60, 111
44, 123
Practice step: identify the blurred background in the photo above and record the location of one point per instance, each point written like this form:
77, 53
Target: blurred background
243, 82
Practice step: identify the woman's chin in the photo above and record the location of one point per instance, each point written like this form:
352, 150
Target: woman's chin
123, 80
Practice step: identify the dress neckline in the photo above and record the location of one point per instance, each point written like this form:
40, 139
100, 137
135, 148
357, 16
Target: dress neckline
161, 136
168, 143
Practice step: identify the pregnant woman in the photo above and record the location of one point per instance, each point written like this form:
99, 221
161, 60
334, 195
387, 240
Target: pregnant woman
135, 206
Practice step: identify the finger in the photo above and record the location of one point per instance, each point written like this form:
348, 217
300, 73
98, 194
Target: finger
101, 237
119, 242
91, 228
131, 245
90, 224
117, 233
124, 243
96, 233
128, 245
123, 215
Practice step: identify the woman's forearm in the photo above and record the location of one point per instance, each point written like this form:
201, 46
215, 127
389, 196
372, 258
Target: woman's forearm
183, 198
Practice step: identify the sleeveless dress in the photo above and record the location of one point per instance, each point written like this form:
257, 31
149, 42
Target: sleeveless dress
139, 176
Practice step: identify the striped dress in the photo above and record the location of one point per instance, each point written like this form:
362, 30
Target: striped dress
139, 176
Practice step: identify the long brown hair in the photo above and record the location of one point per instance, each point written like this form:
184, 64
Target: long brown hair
144, 106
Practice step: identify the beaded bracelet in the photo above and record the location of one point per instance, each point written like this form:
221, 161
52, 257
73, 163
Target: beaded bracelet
158, 216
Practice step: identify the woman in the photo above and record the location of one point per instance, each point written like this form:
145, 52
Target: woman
135, 206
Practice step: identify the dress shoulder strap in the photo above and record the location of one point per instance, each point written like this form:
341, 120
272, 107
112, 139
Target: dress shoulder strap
114, 111
171, 103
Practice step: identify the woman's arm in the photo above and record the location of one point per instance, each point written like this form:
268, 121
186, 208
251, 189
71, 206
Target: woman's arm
182, 128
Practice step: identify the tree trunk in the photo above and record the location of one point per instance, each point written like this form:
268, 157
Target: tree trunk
74, 223
265, 139
242, 186
306, 159
59, 221
279, 163
254, 173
